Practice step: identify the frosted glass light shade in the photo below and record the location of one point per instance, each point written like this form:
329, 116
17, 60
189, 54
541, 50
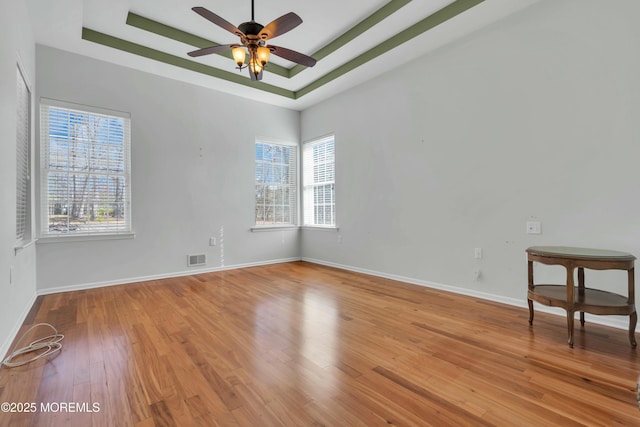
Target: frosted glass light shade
263, 55
238, 55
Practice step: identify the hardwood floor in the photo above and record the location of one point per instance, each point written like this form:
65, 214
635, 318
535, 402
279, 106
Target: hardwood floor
299, 344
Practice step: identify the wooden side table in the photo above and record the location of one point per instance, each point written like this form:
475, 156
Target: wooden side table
582, 299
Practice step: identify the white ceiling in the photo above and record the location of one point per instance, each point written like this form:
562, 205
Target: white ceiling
59, 24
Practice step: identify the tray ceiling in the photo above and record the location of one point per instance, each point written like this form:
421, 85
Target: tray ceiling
352, 41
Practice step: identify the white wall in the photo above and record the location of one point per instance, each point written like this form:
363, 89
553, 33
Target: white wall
17, 287
535, 117
193, 173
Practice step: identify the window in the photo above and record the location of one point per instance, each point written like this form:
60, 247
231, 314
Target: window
318, 164
23, 160
276, 184
86, 177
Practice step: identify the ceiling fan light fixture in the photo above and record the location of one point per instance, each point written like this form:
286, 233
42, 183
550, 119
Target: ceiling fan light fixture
253, 37
263, 55
255, 67
239, 55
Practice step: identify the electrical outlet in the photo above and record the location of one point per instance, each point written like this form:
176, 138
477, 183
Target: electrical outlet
212, 241
534, 227
478, 253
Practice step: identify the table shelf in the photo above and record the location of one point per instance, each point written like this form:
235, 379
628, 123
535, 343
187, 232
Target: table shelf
580, 298
594, 301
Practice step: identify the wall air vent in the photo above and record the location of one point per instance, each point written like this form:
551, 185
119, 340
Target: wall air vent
195, 260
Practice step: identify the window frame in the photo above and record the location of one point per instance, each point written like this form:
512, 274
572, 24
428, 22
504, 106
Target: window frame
24, 170
307, 199
45, 235
294, 163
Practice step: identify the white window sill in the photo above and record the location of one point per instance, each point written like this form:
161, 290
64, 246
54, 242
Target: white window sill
84, 237
321, 227
259, 228
23, 246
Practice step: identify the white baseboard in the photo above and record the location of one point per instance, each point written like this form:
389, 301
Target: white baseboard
6, 346
4, 349
619, 322
183, 273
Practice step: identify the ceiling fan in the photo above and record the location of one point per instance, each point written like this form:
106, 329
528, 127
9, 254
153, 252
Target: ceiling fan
253, 37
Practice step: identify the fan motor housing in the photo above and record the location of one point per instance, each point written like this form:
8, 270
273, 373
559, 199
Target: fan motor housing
251, 28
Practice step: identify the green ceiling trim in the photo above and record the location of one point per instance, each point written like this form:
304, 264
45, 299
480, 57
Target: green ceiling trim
137, 49
443, 15
165, 30
182, 36
439, 17
385, 11
173, 33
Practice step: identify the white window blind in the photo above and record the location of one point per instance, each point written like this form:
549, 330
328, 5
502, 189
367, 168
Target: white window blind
318, 164
86, 177
276, 184
23, 160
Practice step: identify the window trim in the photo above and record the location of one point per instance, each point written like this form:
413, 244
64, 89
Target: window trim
295, 223
28, 234
44, 237
320, 227
328, 227
84, 237
275, 227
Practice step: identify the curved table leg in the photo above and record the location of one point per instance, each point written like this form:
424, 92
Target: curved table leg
633, 319
581, 291
530, 311
570, 327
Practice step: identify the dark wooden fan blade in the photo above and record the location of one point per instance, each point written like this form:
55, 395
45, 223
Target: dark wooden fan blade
292, 55
220, 22
280, 26
210, 50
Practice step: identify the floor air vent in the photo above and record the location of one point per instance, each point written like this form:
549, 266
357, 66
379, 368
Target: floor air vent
194, 260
